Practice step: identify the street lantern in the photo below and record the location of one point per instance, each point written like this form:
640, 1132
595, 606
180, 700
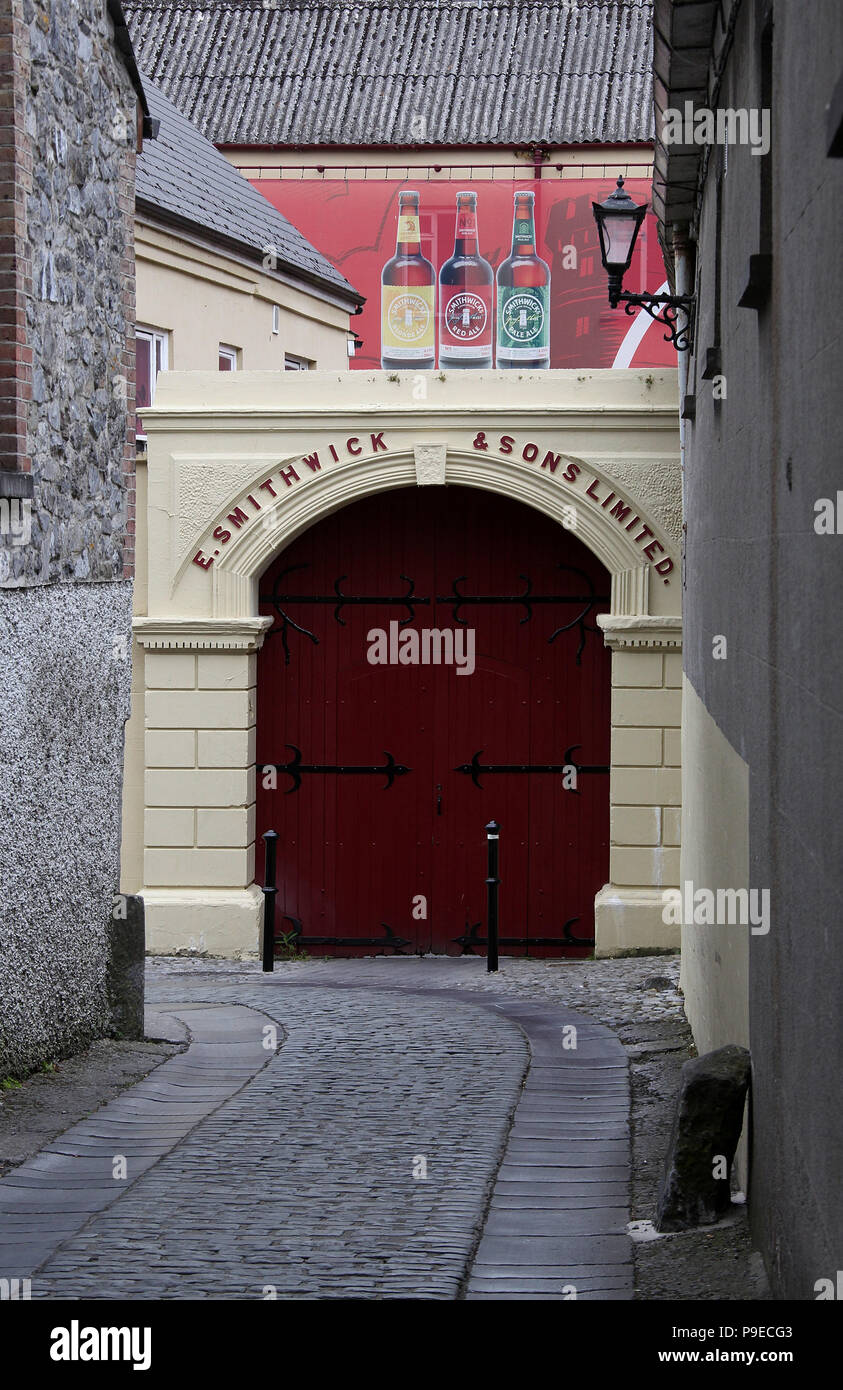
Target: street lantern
619, 221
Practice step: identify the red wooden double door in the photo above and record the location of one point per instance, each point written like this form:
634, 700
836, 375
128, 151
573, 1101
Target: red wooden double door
434, 664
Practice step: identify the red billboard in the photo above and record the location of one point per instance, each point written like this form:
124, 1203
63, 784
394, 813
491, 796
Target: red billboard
479, 273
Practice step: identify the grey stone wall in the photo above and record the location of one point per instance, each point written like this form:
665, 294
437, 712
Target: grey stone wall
80, 120
65, 656
65, 569
757, 572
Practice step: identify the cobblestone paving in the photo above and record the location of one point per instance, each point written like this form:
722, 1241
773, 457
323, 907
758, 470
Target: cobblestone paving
617, 992
303, 1183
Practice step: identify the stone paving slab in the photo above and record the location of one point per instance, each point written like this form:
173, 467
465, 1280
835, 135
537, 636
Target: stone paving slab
603, 1292
585, 1194
557, 1254
594, 1154
536, 1174
51, 1196
541, 1202
518, 1221
505, 1287
562, 1134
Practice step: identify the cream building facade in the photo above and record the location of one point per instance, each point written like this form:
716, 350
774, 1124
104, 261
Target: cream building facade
225, 281
237, 446
185, 288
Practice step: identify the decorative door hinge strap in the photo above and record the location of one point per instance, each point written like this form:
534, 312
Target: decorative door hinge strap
296, 769
475, 768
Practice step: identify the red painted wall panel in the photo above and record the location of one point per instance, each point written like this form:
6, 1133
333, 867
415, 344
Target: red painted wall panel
354, 222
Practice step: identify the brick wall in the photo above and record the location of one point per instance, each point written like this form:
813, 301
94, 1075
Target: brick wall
15, 268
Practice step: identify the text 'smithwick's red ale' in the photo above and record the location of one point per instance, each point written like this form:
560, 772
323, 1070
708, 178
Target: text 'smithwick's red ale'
466, 296
408, 289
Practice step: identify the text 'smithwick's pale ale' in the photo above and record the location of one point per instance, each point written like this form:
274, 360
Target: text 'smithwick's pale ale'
523, 296
408, 289
466, 296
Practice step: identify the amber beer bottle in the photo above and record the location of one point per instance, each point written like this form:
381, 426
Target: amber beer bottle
466, 293
523, 296
408, 289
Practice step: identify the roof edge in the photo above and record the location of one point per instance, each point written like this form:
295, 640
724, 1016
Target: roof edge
688, 41
123, 40
527, 148
156, 213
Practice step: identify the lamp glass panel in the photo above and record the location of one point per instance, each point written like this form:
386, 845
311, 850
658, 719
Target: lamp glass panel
619, 235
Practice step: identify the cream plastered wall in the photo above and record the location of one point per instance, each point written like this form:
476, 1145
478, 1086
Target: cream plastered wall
240, 464
715, 854
472, 163
202, 298
131, 851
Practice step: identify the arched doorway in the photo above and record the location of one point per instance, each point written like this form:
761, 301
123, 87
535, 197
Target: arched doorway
434, 663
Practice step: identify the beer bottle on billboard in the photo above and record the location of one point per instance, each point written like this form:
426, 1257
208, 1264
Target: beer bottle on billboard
523, 337
466, 293
408, 288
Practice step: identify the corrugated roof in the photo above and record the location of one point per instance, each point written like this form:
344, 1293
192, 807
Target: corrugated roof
182, 176
440, 72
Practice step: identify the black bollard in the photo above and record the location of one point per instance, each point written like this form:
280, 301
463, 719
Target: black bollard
269, 890
492, 885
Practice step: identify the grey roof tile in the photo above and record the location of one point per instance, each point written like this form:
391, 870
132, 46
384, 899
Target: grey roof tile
384, 72
182, 176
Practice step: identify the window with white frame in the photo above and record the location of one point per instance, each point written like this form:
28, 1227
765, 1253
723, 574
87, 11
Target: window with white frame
151, 357
228, 358
297, 364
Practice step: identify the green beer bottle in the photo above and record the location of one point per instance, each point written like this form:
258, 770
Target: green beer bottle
523, 337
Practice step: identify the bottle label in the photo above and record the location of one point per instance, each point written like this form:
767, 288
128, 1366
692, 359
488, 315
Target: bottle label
466, 224
408, 227
524, 323
466, 329
407, 323
522, 232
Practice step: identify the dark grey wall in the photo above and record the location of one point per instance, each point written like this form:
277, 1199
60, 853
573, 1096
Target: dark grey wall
757, 573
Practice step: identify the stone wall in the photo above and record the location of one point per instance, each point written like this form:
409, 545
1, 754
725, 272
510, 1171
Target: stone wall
72, 166
66, 556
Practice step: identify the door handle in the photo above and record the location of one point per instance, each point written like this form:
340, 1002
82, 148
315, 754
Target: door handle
439, 799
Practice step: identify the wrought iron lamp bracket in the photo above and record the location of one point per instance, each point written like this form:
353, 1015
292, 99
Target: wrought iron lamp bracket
664, 309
